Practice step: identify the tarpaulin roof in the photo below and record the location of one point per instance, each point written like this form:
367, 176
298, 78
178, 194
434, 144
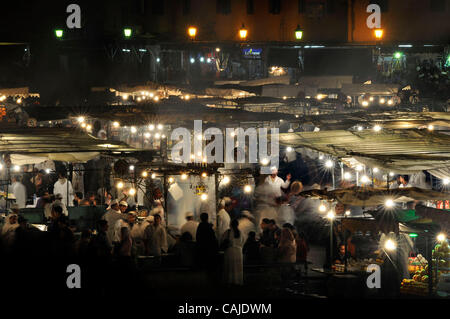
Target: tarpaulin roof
367, 196
56, 143
399, 150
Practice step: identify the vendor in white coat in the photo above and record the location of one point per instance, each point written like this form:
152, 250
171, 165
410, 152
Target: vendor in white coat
276, 182
64, 187
19, 190
189, 226
223, 217
112, 216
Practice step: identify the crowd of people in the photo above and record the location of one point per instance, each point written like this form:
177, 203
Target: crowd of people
122, 234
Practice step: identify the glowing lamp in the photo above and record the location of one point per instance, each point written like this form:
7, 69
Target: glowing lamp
59, 33
298, 33
390, 245
127, 32
243, 32
247, 189
441, 237
389, 203
192, 32
378, 33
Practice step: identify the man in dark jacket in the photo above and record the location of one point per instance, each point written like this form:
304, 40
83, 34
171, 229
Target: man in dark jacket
207, 246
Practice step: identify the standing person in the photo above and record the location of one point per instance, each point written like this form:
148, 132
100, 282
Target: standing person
189, 226
287, 249
223, 217
233, 259
207, 246
251, 249
19, 190
64, 187
111, 217
157, 245
277, 183
246, 224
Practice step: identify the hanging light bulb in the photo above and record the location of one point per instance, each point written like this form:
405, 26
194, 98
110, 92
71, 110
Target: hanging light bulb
131, 167
441, 237
365, 179
331, 215
390, 245
289, 149
430, 127
144, 174
151, 127
376, 170
329, 164
347, 213
80, 119
160, 126
16, 168
247, 189
116, 124
347, 175
226, 180
359, 168
204, 196
389, 203
204, 174
322, 208
132, 191
171, 180
377, 128
153, 176
119, 185
445, 181
133, 129
184, 176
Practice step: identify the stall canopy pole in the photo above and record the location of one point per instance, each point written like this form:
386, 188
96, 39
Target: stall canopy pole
331, 242
166, 206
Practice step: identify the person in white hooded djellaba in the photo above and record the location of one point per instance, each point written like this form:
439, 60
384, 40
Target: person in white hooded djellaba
189, 226
223, 217
233, 269
112, 216
64, 187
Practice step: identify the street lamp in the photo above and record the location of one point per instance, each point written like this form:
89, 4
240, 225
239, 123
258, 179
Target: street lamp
243, 32
192, 32
59, 33
298, 33
127, 32
378, 33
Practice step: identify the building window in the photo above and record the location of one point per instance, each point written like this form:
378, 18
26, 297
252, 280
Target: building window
250, 7
274, 6
382, 3
301, 6
186, 7
437, 5
158, 7
224, 6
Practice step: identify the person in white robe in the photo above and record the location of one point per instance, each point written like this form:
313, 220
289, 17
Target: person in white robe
189, 226
233, 269
20, 191
223, 217
157, 238
112, 216
64, 187
277, 183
